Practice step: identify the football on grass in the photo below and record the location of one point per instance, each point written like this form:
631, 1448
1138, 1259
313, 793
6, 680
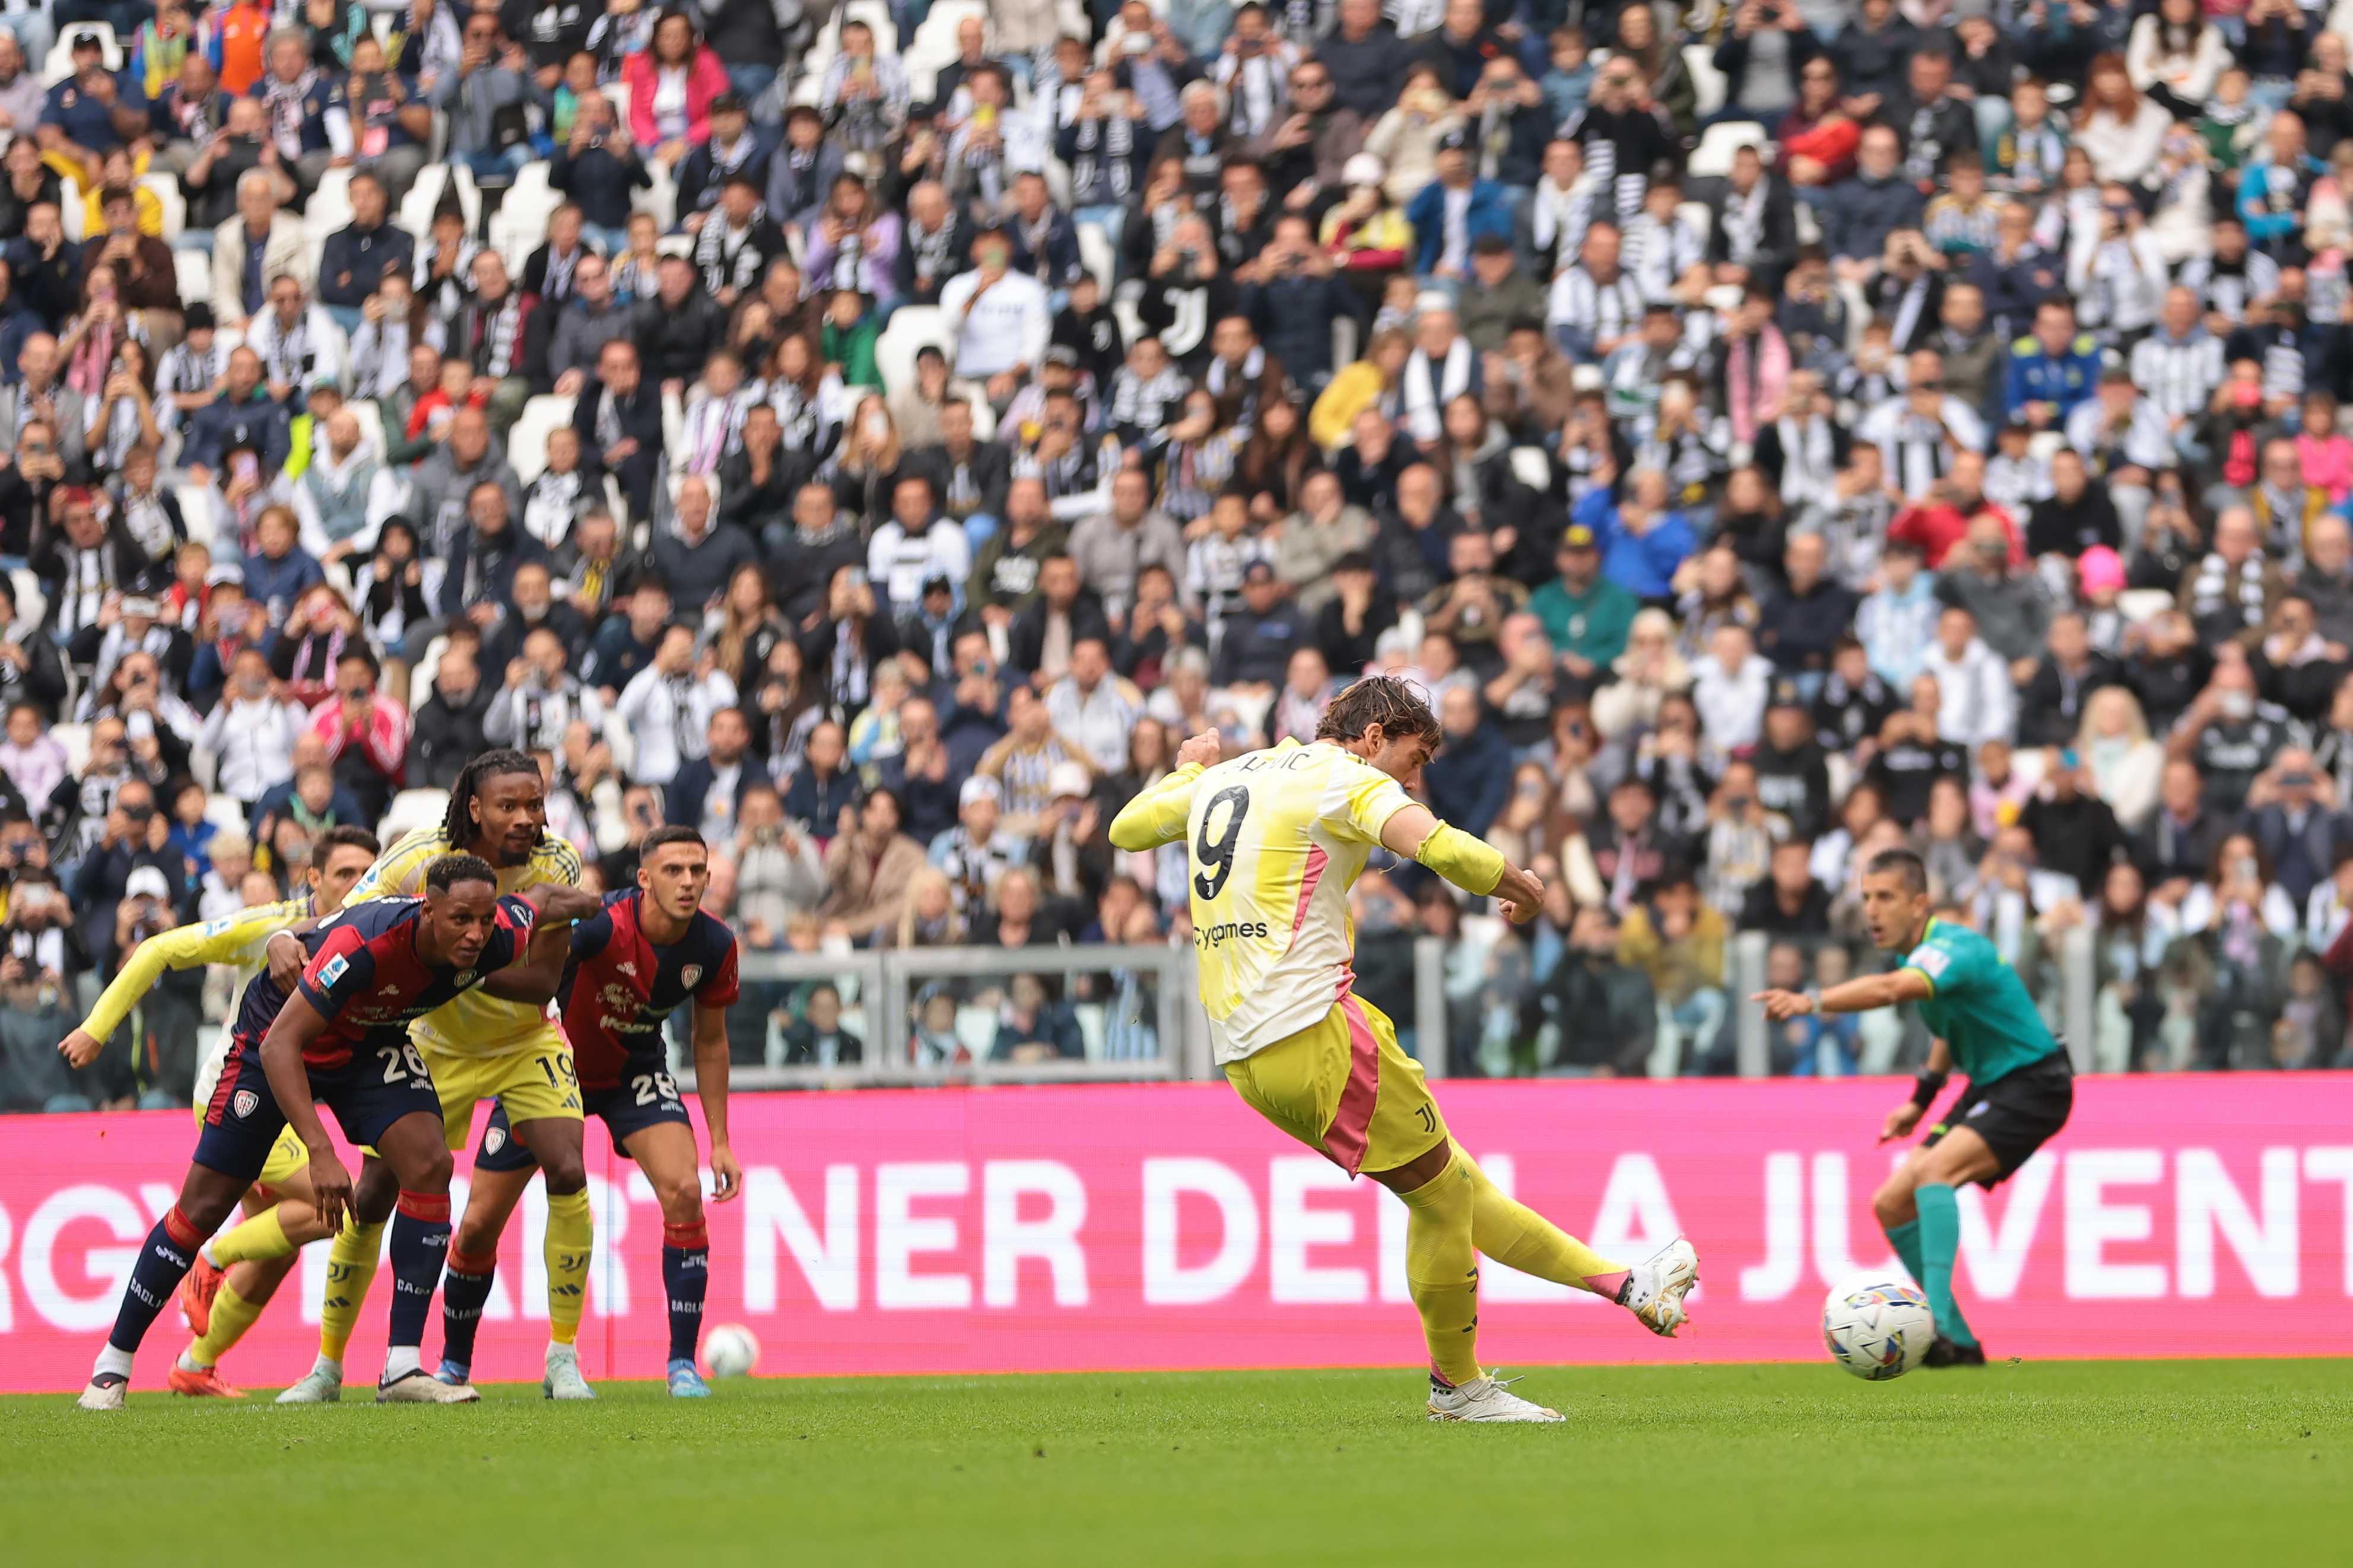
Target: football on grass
1877, 1325
730, 1350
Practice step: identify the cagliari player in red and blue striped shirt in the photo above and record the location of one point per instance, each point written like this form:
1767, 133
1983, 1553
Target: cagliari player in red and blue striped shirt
650, 952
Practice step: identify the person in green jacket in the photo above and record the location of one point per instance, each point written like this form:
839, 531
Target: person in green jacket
1585, 614
848, 337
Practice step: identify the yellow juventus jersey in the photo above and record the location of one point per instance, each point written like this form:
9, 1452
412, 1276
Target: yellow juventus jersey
238, 940
473, 1024
1274, 842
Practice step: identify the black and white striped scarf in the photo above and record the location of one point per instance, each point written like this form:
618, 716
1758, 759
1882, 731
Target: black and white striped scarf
931, 251
1656, 254
799, 415
1144, 405
1104, 169
494, 333
1744, 224
1557, 219
1809, 459
2216, 587
726, 254
287, 103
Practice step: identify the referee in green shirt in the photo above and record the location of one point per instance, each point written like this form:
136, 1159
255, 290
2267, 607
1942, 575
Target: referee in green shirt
2020, 1091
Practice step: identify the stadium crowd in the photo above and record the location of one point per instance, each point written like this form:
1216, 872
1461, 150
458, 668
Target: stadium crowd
1769, 433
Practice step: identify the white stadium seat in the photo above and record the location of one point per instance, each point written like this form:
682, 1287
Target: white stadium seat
527, 442
412, 810
910, 328
194, 270
59, 65
1717, 144
167, 196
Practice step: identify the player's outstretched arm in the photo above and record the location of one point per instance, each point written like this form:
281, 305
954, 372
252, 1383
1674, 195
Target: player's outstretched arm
1860, 995
559, 903
297, 1023
180, 949
537, 970
1471, 864
711, 1087
225, 940
1157, 815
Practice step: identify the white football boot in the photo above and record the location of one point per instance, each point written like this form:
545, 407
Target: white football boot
1656, 1288
418, 1387
106, 1392
1488, 1399
322, 1384
564, 1380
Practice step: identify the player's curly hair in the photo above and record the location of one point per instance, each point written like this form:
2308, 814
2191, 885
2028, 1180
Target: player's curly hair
460, 823
1383, 699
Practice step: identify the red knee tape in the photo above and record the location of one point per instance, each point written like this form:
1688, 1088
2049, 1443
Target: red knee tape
689, 1238
181, 1229
471, 1263
426, 1206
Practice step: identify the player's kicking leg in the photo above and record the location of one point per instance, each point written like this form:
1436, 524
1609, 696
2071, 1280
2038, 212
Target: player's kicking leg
666, 1152
207, 1197
1312, 1086
1921, 1214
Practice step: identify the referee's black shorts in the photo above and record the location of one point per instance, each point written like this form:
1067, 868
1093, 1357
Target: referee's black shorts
2016, 1114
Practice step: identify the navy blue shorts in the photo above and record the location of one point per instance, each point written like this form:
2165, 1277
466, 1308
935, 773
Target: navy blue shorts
646, 1095
367, 1095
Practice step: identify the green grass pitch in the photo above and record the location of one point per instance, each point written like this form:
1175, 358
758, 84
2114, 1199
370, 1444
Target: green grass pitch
2190, 1462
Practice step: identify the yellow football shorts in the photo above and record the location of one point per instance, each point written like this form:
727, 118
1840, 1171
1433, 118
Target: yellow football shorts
533, 1080
1346, 1089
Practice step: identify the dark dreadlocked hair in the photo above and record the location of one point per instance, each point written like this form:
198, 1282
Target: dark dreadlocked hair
460, 824
1383, 699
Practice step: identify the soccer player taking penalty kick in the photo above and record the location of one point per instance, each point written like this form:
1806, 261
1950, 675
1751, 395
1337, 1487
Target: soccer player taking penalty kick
1274, 842
2021, 1086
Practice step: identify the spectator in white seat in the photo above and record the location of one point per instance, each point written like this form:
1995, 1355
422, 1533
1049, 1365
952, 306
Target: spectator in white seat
332, 497
668, 704
1002, 320
251, 732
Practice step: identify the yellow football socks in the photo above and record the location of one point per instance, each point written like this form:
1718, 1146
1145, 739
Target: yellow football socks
351, 1265
1441, 1269
232, 1315
1518, 1237
571, 1233
258, 1240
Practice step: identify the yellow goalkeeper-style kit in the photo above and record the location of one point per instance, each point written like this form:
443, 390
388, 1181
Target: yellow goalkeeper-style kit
238, 940
1274, 841
477, 1047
